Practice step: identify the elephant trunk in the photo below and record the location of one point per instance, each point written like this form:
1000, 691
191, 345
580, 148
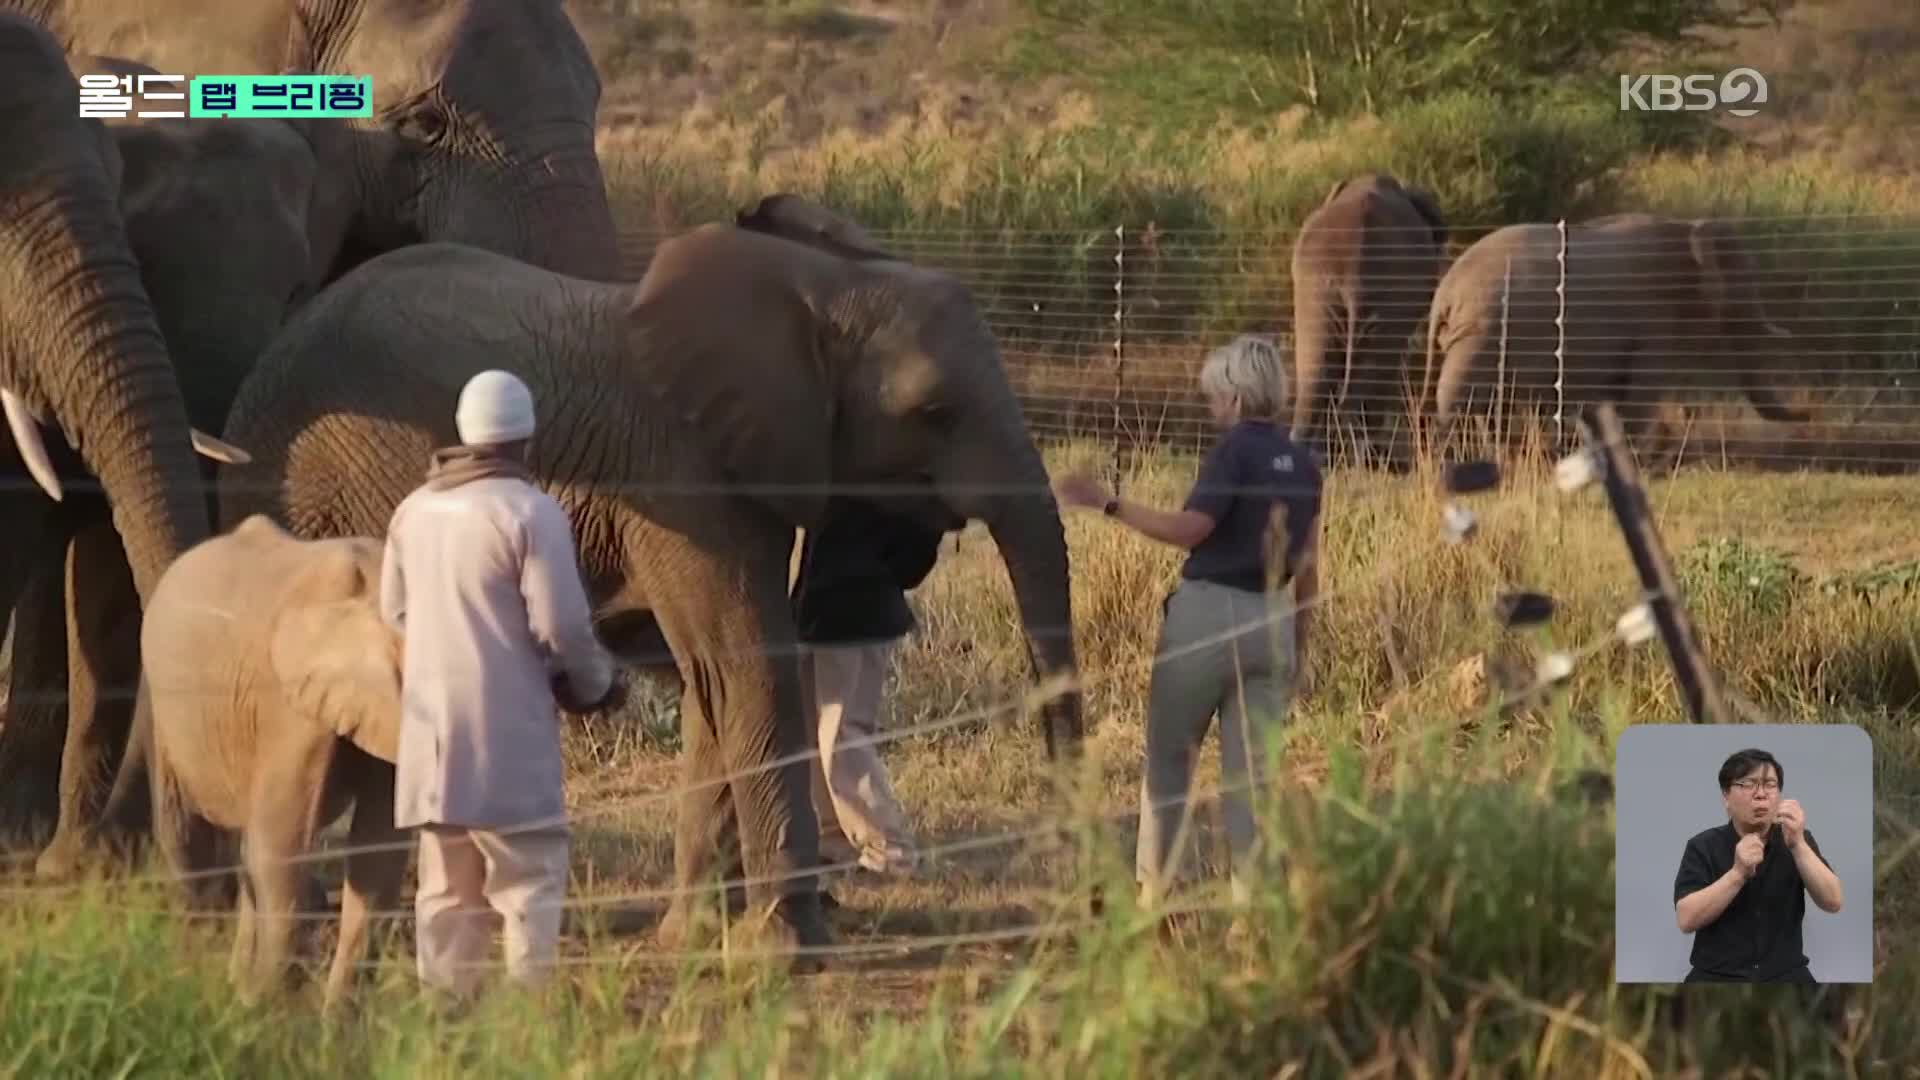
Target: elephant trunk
569, 220
1311, 319
105, 376
1032, 542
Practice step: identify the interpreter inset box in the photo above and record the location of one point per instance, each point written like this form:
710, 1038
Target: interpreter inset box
1743, 853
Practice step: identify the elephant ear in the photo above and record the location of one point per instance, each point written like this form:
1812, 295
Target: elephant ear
794, 218
1428, 208
336, 662
760, 388
1727, 274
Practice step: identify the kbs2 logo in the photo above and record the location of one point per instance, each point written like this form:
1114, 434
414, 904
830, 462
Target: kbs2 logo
1738, 91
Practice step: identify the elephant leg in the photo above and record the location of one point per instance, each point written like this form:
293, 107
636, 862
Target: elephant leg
287, 794
31, 738
245, 935
103, 669
706, 833
193, 849
728, 621
376, 868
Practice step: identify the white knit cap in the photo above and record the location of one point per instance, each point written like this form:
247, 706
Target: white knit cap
495, 407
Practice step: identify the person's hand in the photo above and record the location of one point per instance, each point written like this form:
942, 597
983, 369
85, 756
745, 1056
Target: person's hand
1747, 853
1793, 822
610, 702
1080, 489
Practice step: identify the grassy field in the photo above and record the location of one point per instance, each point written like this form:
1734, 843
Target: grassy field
1447, 903
1026, 153
1417, 821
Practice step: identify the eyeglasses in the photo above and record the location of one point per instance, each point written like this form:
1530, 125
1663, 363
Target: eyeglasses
1749, 785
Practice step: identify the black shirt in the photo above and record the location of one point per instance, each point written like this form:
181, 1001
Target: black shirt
1253, 466
854, 573
1757, 937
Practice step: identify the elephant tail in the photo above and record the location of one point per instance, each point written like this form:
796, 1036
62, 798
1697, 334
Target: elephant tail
1351, 302
131, 781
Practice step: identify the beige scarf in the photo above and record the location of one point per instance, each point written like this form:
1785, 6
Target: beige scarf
453, 466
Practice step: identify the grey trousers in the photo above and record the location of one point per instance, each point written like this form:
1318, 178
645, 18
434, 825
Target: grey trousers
1211, 660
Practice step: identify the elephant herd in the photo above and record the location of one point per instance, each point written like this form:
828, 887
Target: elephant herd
1654, 308
227, 349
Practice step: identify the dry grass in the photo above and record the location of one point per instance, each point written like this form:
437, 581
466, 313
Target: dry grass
1411, 662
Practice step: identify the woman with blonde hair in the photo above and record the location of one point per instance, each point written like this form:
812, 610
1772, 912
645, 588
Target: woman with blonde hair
1228, 644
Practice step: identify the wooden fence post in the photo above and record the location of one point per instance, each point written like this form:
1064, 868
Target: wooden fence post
1607, 440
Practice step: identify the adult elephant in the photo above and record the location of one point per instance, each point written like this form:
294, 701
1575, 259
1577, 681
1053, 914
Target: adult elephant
692, 422
87, 386
488, 105
270, 703
482, 134
1364, 268
1655, 308
223, 219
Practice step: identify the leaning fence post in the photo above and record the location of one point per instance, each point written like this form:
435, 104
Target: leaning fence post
1607, 441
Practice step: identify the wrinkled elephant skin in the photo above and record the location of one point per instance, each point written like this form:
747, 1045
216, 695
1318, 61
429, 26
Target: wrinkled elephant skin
482, 133
217, 214
269, 703
88, 389
1364, 268
737, 380
491, 103
1656, 309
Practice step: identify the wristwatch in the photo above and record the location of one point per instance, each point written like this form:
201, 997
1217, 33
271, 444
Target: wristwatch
1112, 507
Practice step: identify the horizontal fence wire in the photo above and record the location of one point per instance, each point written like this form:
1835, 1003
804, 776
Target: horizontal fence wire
1102, 331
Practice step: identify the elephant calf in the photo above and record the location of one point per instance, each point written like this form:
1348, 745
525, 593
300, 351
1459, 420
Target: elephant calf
269, 701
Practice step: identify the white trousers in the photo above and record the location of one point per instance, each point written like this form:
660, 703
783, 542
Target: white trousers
469, 878
850, 784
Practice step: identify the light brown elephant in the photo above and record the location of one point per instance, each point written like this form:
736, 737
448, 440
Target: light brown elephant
270, 703
1656, 308
1364, 268
86, 384
689, 424
219, 216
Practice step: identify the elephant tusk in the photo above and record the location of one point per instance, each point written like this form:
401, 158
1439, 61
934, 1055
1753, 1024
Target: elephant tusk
24, 422
218, 449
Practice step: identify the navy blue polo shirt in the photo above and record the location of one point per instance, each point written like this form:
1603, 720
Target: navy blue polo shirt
1254, 467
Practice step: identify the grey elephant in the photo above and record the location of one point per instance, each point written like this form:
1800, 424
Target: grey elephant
692, 422
483, 133
1656, 308
489, 106
219, 216
269, 703
1364, 269
86, 384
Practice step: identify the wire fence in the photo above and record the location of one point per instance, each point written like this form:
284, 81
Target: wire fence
1102, 332
1555, 667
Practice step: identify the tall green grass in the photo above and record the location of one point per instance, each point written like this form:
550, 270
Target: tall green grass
1459, 921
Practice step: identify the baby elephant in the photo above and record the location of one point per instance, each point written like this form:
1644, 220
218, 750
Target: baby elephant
269, 701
